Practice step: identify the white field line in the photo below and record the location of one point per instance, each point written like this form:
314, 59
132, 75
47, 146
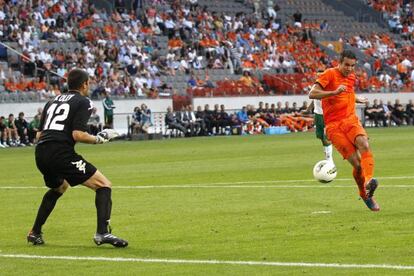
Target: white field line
242, 184
299, 180
209, 262
321, 212
327, 186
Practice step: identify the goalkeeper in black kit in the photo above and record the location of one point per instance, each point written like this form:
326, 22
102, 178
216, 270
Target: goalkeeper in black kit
64, 123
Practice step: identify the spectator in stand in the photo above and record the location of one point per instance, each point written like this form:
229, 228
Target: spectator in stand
272, 9
208, 118
256, 5
172, 123
181, 117
33, 129
145, 118
136, 120
400, 113
192, 82
257, 123
40, 86
10, 85
393, 117
387, 112
215, 120
248, 81
14, 139
243, 118
4, 133
409, 110
287, 109
94, 124
370, 114
22, 129
224, 121
279, 110
109, 107
379, 109
324, 26
189, 120
200, 118
304, 107
297, 18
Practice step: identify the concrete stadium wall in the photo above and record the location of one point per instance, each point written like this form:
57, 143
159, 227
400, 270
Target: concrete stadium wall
160, 105
122, 110
237, 103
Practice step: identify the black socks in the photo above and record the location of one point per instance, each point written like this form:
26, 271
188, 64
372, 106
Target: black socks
103, 205
46, 207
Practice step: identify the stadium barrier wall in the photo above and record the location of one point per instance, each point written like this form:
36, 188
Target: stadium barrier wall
124, 108
238, 102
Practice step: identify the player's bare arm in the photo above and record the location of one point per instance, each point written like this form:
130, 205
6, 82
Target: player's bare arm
317, 91
84, 137
309, 109
361, 100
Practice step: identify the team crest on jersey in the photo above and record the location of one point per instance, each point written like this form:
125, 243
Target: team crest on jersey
80, 165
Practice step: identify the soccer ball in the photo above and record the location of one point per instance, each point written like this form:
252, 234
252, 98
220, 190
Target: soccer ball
324, 171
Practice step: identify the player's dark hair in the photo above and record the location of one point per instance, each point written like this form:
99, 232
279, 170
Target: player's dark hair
76, 78
347, 54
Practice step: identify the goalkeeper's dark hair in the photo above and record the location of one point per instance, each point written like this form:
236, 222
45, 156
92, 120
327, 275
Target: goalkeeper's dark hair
347, 54
76, 78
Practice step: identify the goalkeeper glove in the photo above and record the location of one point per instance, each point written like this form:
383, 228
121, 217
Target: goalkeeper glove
100, 139
106, 135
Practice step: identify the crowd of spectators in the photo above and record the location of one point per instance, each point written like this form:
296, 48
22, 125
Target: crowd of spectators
124, 57
387, 54
384, 114
398, 14
118, 50
255, 120
18, 132
141, 119
248, 120
398, 56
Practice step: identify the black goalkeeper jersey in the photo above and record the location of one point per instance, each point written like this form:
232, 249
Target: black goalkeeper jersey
62, 115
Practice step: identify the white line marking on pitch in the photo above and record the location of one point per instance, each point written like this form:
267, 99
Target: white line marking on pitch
216, 187
301, 180
321, 212
219, 262
240, 184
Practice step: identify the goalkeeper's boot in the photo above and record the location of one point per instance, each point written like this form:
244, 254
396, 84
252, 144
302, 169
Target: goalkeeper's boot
100, 239
34, 238
371, 186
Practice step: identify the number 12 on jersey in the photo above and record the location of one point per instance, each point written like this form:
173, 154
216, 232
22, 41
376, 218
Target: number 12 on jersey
56, 114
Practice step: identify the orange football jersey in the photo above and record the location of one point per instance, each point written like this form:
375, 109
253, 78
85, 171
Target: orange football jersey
340, 106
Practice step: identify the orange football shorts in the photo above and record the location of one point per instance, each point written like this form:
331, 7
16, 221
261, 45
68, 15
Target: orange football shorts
343, 133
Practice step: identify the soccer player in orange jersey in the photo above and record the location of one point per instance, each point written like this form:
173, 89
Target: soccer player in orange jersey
335, 87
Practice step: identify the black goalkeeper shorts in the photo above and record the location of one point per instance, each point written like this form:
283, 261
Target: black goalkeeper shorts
58, 162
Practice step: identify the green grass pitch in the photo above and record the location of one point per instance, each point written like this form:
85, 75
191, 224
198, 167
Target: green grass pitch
217, 198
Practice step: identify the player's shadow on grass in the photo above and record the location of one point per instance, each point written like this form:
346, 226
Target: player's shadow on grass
136, 250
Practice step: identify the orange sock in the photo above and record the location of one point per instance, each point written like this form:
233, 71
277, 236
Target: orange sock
360, 180
367, 165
